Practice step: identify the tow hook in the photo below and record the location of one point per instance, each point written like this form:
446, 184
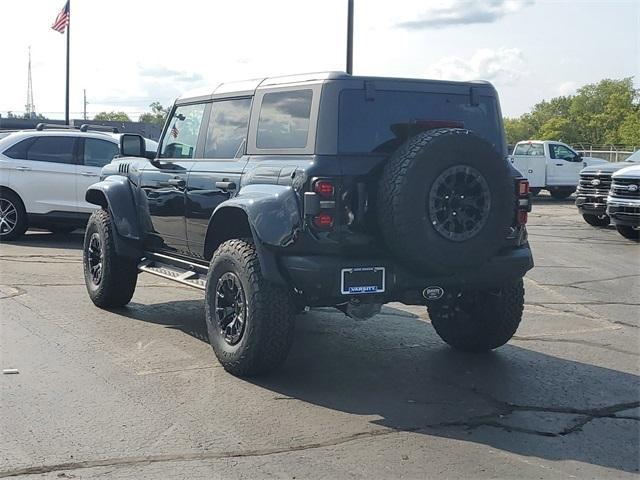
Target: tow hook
433, 293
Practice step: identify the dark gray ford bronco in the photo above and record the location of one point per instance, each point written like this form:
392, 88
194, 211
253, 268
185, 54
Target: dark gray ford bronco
320, 190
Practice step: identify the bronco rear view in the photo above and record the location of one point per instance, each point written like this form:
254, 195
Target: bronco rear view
320, 190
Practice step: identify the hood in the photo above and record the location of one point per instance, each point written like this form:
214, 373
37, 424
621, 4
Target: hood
605, 167
628, 172
588, 161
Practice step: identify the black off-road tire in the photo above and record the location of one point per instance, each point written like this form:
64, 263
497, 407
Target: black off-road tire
9, 201
628, 232
406, 216
597, 220
269, 316
561, 193
482, 322
118, 275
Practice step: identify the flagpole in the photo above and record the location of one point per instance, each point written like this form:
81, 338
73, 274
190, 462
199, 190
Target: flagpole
66, 107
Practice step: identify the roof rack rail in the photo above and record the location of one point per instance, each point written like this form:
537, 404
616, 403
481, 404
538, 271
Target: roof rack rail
54, 126
103, 128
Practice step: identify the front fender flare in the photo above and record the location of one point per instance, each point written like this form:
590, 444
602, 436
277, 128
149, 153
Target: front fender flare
115, 194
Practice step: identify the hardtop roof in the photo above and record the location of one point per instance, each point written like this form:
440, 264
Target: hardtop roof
248, 87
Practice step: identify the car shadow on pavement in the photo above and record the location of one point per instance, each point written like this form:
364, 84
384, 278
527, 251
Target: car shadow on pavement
41, 239
395, 369
514, 399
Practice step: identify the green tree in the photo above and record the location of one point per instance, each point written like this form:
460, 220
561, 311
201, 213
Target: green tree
112, 117
157, 115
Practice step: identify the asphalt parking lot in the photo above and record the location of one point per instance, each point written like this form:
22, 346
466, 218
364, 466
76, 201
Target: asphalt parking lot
137, 393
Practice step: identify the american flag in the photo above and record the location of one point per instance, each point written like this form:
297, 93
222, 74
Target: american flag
63, 19
174, 131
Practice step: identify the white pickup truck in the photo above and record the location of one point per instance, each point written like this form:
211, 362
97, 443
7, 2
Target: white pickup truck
554, 166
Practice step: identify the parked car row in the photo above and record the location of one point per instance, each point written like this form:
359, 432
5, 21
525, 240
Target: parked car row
610, 193
44, 174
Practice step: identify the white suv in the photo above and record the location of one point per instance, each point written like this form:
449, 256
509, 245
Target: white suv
44, 175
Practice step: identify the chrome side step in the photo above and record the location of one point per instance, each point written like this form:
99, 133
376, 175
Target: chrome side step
180, 271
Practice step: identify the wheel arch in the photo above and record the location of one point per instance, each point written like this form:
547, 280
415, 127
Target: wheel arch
11, 190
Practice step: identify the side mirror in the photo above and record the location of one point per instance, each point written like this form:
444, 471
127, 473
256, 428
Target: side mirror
132, 145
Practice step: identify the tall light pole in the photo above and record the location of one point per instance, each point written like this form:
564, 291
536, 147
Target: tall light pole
350, 38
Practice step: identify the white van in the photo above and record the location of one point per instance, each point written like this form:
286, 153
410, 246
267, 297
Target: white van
554, 166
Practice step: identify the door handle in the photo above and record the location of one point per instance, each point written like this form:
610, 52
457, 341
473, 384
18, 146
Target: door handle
177, 182
23, 169
226, 185
559, 164
88, 174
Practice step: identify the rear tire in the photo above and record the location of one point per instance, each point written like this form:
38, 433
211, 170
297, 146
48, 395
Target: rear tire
480, 321
597, 220
561, 193
628, 232
13, 216
110, 279
250, 320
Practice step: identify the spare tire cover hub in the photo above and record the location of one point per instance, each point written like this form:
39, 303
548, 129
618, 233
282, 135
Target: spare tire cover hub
459, 203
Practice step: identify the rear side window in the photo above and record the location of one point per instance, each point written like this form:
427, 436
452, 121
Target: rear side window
284, 120
181, 137
97, 153
19, 150
531, 149
52, 149
382, 123
228, 126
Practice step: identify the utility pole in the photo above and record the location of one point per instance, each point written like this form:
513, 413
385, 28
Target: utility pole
30, 108
350, 38
85, 103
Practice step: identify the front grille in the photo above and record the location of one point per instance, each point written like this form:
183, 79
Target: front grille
626, 188
587, 187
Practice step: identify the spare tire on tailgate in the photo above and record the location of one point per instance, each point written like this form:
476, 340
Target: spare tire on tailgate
446, 201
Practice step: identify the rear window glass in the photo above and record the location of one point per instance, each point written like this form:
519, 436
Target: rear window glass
19, 150
383, 123
52, 149
284, 119
531, 149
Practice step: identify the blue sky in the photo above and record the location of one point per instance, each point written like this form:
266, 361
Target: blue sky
128, 54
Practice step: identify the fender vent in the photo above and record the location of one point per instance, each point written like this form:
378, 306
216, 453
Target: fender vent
123, 168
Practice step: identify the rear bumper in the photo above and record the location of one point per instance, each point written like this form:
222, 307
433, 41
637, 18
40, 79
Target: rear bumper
319, 277
591, 205
624, 211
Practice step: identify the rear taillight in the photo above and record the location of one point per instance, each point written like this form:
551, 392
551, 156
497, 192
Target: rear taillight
523, 206
320, 204
323, 220
324, 188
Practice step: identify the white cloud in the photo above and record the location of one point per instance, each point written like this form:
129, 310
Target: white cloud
568, 88
443, 13
503, 66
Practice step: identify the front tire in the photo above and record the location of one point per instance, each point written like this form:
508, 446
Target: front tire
249, 320
628, 232
597, 220
13, 216
480, 321
110, 278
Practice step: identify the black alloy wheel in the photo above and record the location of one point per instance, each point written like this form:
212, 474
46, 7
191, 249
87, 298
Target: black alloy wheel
94, 255
459, 203
230, 308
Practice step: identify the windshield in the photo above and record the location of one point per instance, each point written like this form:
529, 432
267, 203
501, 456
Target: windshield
382, 123
635, 158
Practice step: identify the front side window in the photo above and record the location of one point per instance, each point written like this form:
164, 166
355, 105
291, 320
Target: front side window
52, 149
181, 136
228, 126
284, 119
561, 152
97, 153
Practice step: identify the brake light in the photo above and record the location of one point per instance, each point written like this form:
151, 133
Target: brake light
323, 220
523, 202
523, 188
523, 216
324, 188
